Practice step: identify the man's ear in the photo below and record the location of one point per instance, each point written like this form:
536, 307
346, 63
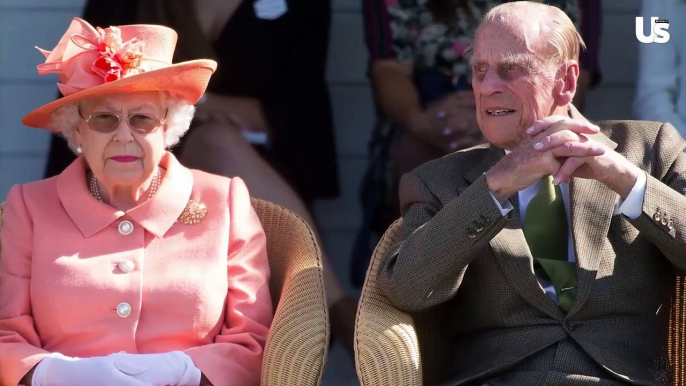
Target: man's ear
568, 76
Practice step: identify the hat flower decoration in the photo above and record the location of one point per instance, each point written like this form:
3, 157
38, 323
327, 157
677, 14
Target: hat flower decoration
94, 62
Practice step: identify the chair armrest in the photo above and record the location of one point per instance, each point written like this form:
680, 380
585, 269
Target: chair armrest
297, 345
386, 344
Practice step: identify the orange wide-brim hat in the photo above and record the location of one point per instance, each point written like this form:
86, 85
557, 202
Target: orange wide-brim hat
94, 62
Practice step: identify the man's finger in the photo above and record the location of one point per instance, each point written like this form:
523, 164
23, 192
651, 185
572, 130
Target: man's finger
556, 123
543, 124
556, 139
564, 174
578, 149
580, 131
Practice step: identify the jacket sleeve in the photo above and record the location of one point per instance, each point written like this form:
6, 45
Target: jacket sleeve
235, 358
665, 190
426, 266
20, 345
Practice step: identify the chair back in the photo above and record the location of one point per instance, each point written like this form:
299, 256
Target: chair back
297, 345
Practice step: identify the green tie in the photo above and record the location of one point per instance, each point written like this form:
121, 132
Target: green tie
545, 229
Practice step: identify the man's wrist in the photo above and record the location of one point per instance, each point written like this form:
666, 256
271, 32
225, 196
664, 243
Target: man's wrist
632, 206
623, 182
498, 190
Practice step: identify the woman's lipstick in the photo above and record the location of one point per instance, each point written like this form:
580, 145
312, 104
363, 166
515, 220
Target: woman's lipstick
124, 158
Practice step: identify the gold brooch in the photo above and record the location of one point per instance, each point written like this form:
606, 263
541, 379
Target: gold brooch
193, 213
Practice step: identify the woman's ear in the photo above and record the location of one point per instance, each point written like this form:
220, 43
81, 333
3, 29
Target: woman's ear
77, 129
77, 135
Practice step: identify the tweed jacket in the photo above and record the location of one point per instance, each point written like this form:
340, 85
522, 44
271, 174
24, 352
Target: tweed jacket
83, 279
459, 251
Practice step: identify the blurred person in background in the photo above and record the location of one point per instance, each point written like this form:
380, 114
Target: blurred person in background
423, 94
129, 269
266, 116
661, 84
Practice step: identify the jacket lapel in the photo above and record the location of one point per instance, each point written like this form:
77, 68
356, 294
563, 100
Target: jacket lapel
592, 207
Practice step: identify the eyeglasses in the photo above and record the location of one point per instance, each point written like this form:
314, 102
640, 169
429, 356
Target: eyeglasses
141, 123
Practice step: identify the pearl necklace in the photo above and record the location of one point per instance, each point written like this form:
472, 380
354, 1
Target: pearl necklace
154, 185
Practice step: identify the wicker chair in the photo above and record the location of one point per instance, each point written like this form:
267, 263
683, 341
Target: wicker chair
395, 348
298, 341
297, 345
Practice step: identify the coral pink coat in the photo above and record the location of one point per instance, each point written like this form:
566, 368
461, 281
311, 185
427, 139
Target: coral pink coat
198, 288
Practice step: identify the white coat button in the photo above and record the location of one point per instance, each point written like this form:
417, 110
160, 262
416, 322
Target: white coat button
124, 310
126, 227
126, 266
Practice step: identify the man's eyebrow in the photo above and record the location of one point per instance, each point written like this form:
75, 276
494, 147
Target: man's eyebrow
518, 59
510, 58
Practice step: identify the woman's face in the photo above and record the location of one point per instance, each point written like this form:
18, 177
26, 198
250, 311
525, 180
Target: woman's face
125, 156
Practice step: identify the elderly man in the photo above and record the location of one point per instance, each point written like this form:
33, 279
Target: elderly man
554, 247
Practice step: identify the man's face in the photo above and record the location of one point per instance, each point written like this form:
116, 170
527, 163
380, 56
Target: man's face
512, 86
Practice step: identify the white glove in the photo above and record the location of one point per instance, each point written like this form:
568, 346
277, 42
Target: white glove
59, 370
173, 368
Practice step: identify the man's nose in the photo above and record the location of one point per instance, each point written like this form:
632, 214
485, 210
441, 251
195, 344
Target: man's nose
491, 83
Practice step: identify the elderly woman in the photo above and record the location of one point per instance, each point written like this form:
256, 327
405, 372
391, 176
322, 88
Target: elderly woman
128, 268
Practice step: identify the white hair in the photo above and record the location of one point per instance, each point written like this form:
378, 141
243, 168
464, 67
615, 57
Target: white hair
556, 28
180, 113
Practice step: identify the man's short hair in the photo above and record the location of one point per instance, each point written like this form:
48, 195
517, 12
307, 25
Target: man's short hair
557, 28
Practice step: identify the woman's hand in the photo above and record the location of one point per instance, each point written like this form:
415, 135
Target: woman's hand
172, 368
449, 123
59, 370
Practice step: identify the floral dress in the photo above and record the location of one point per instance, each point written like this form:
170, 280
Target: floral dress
406, 31
417, 38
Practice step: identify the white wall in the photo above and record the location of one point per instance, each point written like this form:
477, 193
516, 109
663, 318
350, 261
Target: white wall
23, 24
